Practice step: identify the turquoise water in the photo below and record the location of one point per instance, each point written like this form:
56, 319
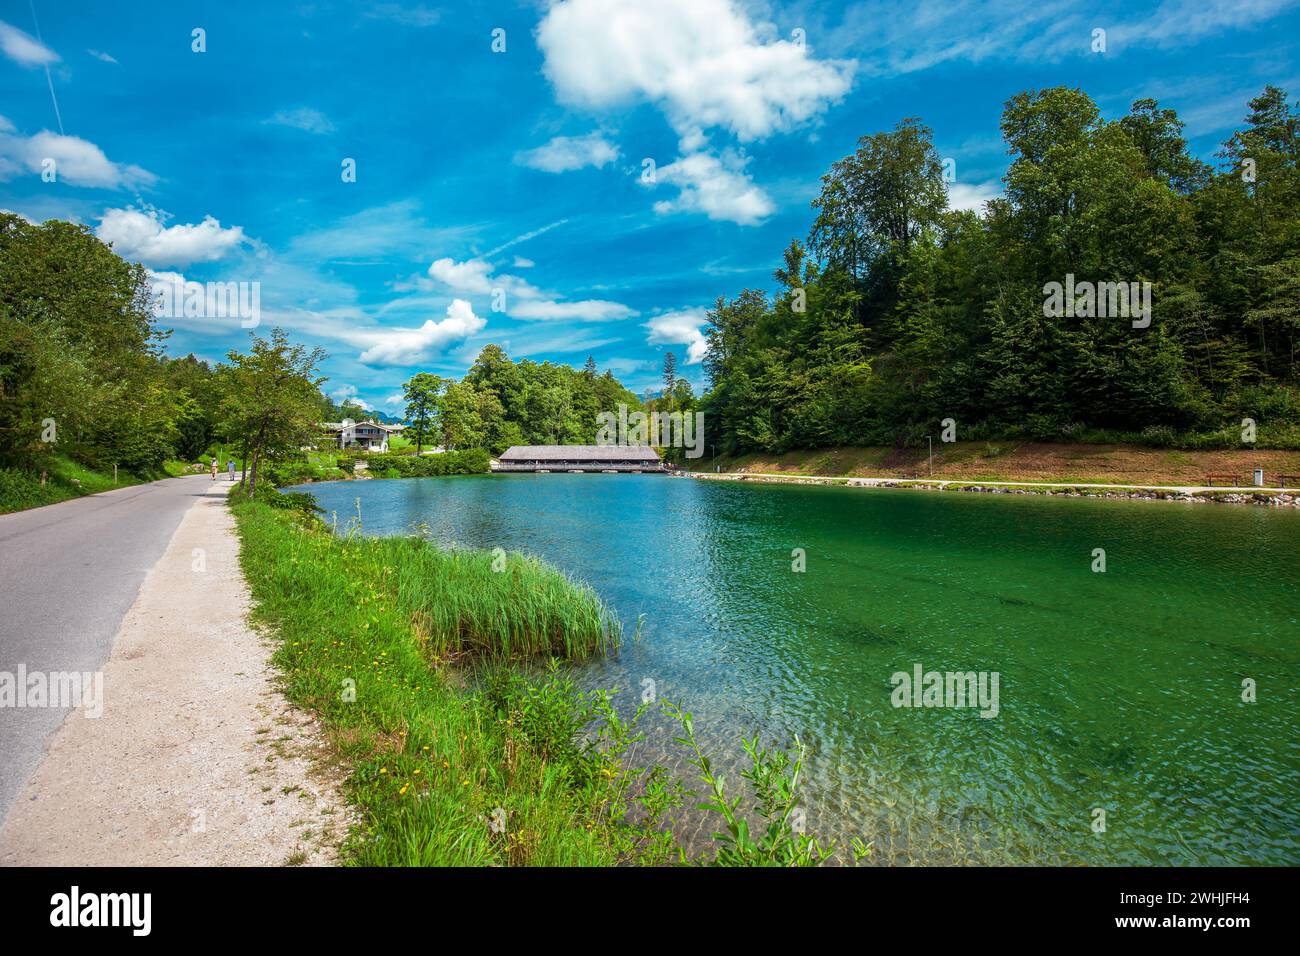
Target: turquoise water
1119, 691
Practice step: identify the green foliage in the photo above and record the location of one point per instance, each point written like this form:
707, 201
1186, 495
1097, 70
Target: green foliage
911, 315
80, 373
774, 778
65, 478
471, 461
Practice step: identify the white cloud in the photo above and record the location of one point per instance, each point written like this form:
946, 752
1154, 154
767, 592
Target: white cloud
413, 346
140, 234
704, 62
23, 48
716, 187
683, 327
304, 118
973, 196
523, 300
100, 55
522, 263
565, 153
473, 276
348, 393
587, 310
76, 161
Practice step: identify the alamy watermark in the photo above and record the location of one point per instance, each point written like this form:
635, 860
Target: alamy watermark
952, 689
660, 429
1098, 300
177, 298
59, 689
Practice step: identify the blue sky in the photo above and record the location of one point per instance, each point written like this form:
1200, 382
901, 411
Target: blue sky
516, 179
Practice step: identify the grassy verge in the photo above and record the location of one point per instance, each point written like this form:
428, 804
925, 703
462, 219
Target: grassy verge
65, 478
450, 765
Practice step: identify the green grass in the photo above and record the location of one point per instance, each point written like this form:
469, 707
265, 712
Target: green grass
402, 649
21, 489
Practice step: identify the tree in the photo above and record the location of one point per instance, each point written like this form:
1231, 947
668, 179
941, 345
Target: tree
423, 395
670, 377
272, 399
462, 426
879, 199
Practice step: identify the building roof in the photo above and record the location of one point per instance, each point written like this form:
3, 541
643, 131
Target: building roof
581, 453
340, 426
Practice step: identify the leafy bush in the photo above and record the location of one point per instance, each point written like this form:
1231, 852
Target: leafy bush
471, 461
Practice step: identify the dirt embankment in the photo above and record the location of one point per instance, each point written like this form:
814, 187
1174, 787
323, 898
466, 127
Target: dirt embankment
1030, 461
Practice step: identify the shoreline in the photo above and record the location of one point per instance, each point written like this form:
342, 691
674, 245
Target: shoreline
1275, 497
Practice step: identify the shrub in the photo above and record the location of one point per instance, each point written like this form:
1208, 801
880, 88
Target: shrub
471, 461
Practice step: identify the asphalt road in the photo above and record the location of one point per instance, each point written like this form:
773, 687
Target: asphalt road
68, 574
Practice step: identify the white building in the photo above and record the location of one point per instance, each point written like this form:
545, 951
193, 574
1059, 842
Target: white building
361, 436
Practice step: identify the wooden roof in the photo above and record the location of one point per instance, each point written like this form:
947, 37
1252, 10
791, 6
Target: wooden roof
581, 453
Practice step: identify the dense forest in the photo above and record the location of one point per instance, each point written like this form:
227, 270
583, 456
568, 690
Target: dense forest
500, 403
897, 313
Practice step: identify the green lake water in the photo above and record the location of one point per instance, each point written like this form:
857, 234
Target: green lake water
1119, 691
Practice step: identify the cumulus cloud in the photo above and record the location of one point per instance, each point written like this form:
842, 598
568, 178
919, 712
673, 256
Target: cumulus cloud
23, 48
473, 276
717, 187
703, 62
973, 196
349, 393
141, 234
304, 118
77, 162
413, 346
565, 153
683, 327
523, 300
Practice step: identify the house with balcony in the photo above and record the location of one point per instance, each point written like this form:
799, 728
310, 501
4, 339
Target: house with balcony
348, 435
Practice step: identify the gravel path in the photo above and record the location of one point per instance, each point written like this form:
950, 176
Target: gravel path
197, 758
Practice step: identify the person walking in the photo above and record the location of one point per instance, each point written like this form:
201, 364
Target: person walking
230, 468
214, 467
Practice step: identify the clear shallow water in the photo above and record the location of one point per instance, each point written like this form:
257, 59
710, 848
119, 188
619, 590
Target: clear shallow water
1119, 691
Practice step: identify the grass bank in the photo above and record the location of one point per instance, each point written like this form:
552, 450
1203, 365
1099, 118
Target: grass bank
403, 650
455, 754
65, 479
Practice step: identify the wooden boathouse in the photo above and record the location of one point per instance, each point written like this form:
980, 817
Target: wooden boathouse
580, 458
